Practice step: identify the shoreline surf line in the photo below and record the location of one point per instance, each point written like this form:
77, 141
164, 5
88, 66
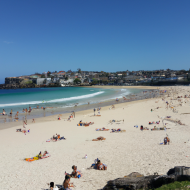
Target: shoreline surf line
56, 111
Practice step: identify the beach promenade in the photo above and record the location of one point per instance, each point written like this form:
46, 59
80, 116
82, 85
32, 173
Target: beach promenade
123, 152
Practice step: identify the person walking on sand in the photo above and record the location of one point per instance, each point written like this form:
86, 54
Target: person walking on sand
94, 111
73, 114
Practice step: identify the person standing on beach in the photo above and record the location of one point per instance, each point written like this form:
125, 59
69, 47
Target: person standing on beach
94, 111
74, 114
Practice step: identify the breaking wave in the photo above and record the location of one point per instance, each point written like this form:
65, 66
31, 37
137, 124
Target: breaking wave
53, 101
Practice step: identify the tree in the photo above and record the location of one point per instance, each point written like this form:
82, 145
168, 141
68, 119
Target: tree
95, 81
42, 76
77, 81
66, 78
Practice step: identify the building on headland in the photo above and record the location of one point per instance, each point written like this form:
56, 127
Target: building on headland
41, 81
142, 77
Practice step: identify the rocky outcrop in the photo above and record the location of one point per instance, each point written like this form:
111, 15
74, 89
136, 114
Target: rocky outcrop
136, 181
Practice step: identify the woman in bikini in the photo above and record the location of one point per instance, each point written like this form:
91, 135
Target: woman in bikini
66, 184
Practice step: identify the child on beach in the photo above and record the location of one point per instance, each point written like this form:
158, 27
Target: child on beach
76, 173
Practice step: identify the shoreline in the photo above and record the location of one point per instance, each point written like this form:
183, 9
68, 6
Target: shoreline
65, 116
39, 114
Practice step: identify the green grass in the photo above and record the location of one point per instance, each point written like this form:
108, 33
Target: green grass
176, 186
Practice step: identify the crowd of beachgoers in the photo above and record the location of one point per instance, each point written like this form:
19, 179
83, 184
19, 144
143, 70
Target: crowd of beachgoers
144, 136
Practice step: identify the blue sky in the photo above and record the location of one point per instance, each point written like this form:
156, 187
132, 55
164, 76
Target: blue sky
108, 35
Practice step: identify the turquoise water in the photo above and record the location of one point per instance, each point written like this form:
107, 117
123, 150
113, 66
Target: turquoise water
57, 97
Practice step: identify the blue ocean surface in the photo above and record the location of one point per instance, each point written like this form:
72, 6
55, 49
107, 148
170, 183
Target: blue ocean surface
60, 97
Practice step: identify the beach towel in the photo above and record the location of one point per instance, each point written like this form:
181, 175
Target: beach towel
36, 158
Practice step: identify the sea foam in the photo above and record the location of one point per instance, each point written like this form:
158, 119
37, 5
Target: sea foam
53, 101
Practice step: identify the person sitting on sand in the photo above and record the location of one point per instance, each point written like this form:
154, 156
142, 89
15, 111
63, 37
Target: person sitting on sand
40, 155
45, 153
141, 128
98, 165
55, 137
66, 184
168, 140
75, 172
51, 185
101, 166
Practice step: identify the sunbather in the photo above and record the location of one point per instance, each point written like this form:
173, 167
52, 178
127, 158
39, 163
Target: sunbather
98, 165
55, 137
115, 130
66, 184
45, 153
76, 173
51, 185
101, 166
40, 155
103, 129
99, 139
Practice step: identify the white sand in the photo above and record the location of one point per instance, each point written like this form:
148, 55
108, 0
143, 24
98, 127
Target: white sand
132, 151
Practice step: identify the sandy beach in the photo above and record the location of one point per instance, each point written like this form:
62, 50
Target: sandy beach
122, 152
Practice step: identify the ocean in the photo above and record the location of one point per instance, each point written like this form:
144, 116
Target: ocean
61, 97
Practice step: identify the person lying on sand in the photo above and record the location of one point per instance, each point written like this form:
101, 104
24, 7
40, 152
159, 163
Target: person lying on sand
66, 184
103, 129
18, 130
99, 139
117, 130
